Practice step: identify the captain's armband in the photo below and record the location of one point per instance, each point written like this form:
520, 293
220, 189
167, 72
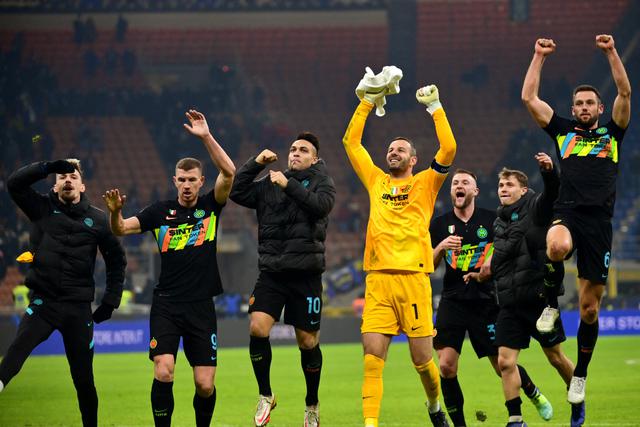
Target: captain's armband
440, 168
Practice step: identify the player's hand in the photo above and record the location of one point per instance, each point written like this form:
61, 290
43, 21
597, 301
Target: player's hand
103, 312
430, 97
452, 242
60, 167
266, 157
114, 200
471, 276
544, 161
605, 42
278, 178
545, 47
197, 124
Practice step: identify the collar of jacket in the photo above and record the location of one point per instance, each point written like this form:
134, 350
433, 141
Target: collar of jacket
506, 212
319, 168
74, 210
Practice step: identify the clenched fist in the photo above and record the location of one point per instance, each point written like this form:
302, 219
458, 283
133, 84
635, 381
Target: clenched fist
266, 157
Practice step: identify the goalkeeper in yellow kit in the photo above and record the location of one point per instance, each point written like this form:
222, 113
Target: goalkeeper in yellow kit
398, 255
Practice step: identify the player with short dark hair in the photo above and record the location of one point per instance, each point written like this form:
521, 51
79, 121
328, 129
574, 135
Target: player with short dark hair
66, 234
292, 208
588, 152
468, 303
186, 230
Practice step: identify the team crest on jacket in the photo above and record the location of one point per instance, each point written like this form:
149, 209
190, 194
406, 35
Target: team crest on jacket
153, 343
514, 216
88, 222
199, 213
451, 229
482, 232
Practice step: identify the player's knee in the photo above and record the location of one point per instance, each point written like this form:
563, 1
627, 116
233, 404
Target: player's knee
506, 363
589, 313
204, 387
557, 251
422, 358
164, 375
307, 342
258, 329
163, 372
448, 369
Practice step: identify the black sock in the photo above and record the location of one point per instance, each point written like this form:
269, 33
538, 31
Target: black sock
553, 281
260, 353
453, 400
311, 361
513, 406
587, 337
527, 384
204, 407
162, 403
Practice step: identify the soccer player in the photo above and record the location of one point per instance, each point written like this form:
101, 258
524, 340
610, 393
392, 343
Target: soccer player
518, 269
468, 304
588, 152
69, 232
398, 255
292, 208
186, 232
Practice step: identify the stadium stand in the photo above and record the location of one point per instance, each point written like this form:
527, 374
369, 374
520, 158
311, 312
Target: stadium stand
262, 83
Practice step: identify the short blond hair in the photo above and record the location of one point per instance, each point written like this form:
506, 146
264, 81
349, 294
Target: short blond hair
76, 164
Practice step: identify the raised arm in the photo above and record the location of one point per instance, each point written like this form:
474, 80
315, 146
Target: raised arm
430, 97
120, 226
244, 190
539, 110
352, 141
19, 185
621, 113
198, 126
543, 207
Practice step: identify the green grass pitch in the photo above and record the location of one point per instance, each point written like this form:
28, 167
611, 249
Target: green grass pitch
42, 394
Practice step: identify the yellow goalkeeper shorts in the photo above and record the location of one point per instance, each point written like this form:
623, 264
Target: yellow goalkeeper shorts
398, 302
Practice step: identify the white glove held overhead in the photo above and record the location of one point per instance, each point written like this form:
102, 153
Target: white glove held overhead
430, 97
374, 87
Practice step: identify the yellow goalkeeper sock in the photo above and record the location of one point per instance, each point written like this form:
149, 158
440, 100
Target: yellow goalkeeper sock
372, 387
370, 422
430, 378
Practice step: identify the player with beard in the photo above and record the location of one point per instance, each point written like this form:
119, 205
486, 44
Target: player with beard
588, 152
468, 303
66, 234
186, 231
398, 255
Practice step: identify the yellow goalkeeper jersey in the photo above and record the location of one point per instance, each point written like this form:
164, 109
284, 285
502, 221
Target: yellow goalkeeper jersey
400, 209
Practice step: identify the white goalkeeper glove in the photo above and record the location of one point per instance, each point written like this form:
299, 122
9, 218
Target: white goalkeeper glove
372, 87
429, 96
